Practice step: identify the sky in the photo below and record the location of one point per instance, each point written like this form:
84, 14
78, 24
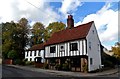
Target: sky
103, 12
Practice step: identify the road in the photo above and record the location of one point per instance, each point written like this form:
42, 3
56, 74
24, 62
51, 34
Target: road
9, 72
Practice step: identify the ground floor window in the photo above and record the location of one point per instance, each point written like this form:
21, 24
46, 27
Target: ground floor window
75, 62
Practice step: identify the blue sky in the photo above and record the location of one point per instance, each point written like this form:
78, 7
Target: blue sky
104, 14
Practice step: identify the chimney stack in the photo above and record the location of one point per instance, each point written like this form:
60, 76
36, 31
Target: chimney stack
70, 22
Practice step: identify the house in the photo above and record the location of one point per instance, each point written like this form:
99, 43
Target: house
35, 53
80, 46
108, 52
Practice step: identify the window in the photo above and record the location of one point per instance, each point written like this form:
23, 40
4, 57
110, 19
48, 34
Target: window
52, 49
62, 47
73, 46
93, 31
91, 61
98, 47
90, 45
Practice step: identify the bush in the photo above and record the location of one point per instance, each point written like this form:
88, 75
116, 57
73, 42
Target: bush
85, 68
45, 66
23, 61
108, 64
12, 54
17, 61
58, 67
65, 67
29, 63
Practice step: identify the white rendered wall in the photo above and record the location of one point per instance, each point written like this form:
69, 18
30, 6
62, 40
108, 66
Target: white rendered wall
39, 53
94, 52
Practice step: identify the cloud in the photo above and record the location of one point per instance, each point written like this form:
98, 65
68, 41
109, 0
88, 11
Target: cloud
37, 10
69, 6
106, 21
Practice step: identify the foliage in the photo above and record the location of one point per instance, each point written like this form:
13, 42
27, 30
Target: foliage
85, 68
12, 54
52, 28
8, 30
38, 33
24, 61
107, 60
45, 66
116, 50
65, 67
58, 66
29, 63
108, 64
14, 37
17, 61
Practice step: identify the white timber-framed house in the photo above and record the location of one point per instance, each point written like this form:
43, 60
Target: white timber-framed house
79, 45
35, 53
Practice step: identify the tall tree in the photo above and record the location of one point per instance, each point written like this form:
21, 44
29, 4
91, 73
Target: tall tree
52, 28
22, 35
14, 37
37, 33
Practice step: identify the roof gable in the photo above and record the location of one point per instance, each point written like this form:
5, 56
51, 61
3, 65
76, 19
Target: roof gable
74, 33
37, 47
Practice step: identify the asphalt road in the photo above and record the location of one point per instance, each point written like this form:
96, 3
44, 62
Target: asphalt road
9, 72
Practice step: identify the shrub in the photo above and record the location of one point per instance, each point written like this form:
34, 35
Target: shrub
29, 63
12, 54
17, 61
85, 68
108, 64
45, 66
65, 67
23, 61
58, 67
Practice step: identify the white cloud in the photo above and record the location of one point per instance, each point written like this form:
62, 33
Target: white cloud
105, 17
69, 6
37, 10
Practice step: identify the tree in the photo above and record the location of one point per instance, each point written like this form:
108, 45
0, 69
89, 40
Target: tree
38, 33
7, 37
21, 36
14, 37
116, 50
52, 28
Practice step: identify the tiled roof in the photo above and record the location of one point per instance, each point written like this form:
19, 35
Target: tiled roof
74, 33
37, 47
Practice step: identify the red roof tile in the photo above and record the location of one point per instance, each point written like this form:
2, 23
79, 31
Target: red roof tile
37, 47
74, 33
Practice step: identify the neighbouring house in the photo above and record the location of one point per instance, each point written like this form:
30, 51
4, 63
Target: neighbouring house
35, 53
80, 46
108, 52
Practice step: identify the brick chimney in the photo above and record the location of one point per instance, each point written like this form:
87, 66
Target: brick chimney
70, 22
